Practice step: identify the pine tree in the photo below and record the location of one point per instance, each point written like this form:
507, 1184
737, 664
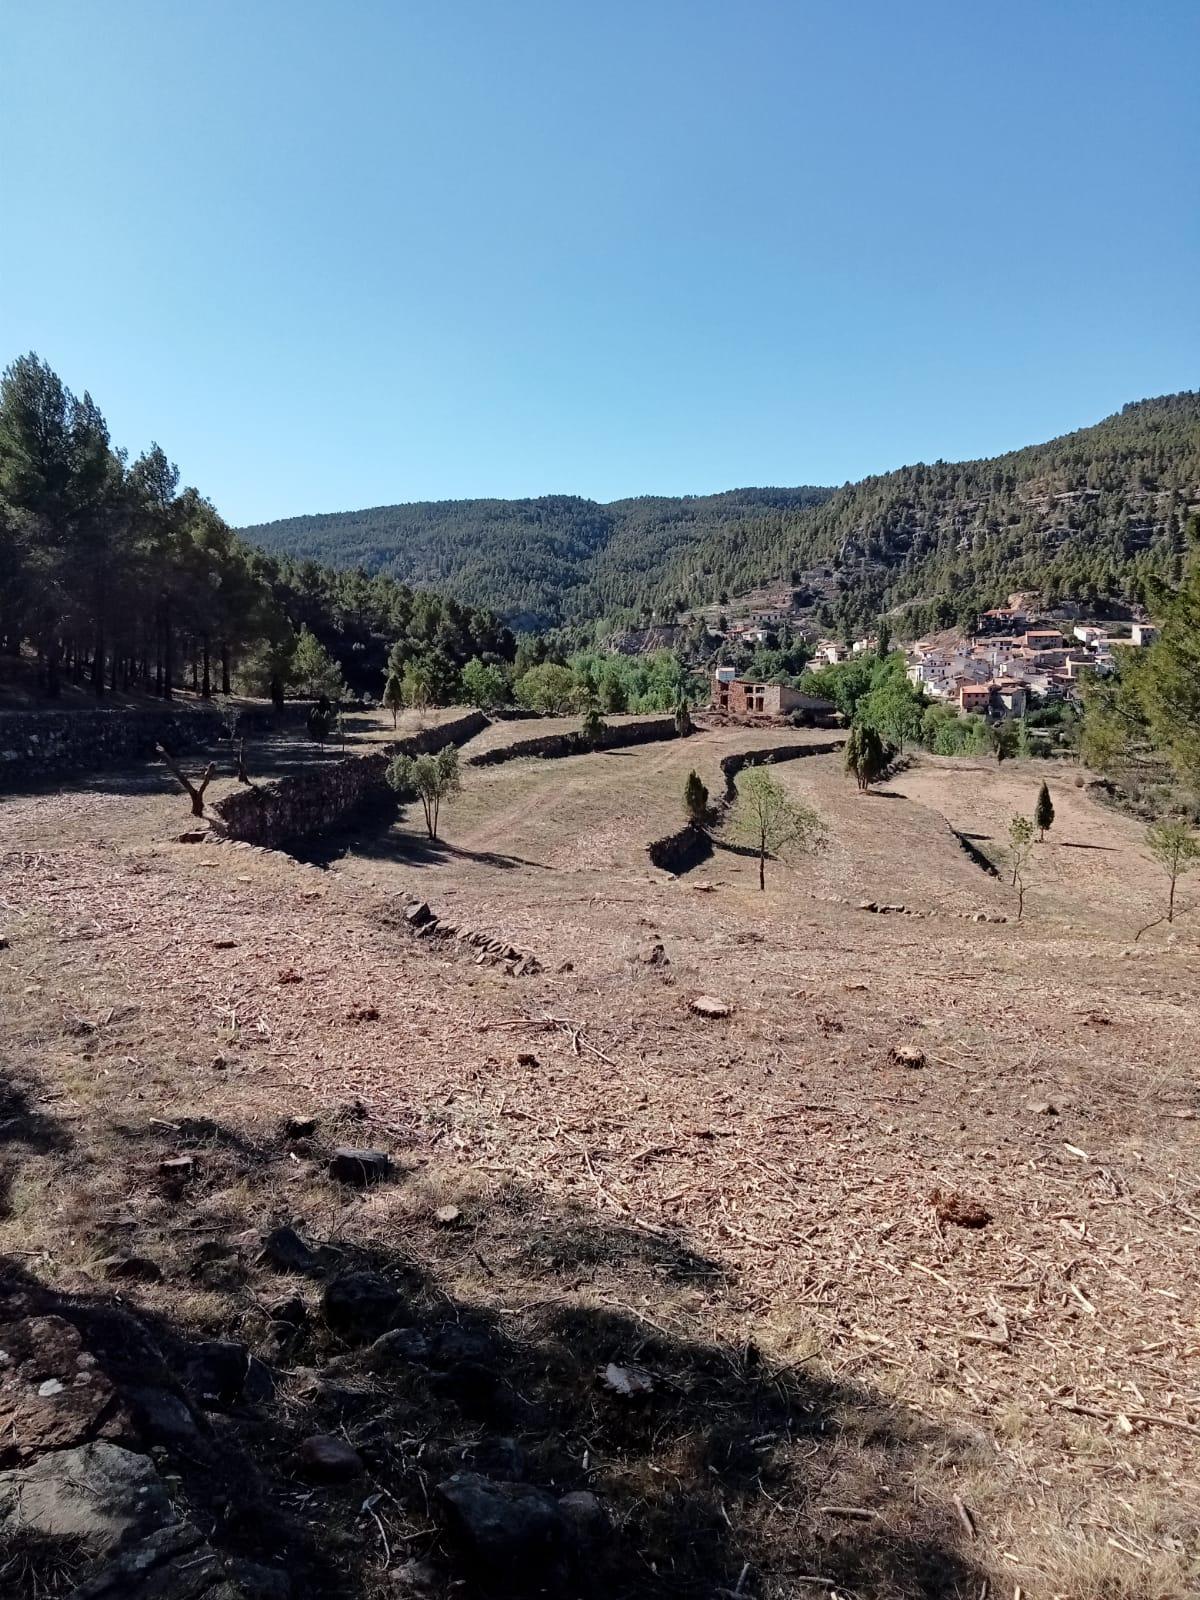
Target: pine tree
1043, 814
695, 800
393, 696
867, 756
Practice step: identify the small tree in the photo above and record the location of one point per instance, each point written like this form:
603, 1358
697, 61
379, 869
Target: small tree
1020, 843
867, 756
695, 800
314, 672
1004, 738
483, 685
683, 718
774, 824
592, 727
393, 696
417, 686
430, 778
1176, 849
1024, 742
1043, 814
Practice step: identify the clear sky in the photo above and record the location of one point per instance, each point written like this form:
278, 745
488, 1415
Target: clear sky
338, 253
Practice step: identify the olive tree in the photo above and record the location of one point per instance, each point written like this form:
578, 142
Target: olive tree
775, 824
430, 778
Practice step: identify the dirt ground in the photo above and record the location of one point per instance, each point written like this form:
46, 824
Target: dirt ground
760, 1206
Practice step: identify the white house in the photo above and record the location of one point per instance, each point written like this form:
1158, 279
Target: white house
1087, 634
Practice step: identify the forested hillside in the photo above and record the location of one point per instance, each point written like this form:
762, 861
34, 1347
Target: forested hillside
1093, 515
539, 562
114, 576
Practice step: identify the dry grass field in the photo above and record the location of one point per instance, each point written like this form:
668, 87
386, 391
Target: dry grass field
849, 1392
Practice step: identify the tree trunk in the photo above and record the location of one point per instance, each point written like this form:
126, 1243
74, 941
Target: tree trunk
168, 650
224, 667
206, 678
762, 866
1171, 901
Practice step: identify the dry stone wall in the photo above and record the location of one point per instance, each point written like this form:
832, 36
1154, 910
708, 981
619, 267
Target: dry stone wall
550, 745
686, 848
34, 744
304, 803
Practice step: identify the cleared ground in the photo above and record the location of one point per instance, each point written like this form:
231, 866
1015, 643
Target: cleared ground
1013, 1405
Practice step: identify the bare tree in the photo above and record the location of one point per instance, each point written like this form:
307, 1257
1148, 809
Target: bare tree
1020, 847
195, 791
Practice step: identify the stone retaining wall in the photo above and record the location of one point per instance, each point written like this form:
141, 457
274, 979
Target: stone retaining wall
36, 743
734, 764
685, 849
551, 745
295, 807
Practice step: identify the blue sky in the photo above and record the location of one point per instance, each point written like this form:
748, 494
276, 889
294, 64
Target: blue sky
339, 254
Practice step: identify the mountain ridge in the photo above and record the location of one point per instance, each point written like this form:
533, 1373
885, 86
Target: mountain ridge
1099, 508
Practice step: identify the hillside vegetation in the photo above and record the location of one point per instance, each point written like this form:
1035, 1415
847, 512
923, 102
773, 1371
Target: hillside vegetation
1094, 515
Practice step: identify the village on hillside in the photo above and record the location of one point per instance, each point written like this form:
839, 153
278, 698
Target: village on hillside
1020, 656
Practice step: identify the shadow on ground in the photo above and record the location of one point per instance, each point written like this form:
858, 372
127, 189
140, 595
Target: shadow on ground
544, 1433
380, 839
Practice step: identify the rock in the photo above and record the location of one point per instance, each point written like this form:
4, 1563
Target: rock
867, 905
565, 966
163, 1418
286, 1251
359, 1167
654, 955
418, 914
328, 1459
131, 1269
630, 1383
396, 1347
447, 1216
526, 1058
907, 1055
41, 1352
1042, 1108
216, 1372
289, 1314
502, 1527
585, 1516
299, 1127
707, 1005
360, 1304
99, 1493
